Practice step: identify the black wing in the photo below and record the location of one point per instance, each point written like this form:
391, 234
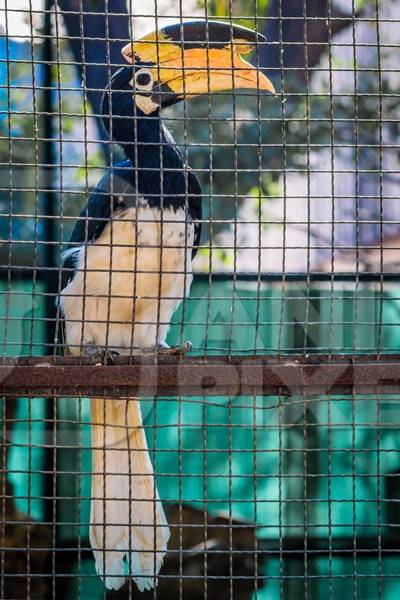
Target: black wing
114, 193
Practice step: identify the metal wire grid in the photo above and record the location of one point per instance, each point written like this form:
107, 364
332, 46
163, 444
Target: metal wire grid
313, 533
306, 552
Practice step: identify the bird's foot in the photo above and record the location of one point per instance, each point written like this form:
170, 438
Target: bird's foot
163, 346
184, 348
102, 354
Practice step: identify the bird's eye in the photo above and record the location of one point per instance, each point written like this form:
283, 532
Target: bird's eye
143, 80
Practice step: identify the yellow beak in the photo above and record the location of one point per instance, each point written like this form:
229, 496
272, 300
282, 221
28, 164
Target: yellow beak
193, 68
202, 71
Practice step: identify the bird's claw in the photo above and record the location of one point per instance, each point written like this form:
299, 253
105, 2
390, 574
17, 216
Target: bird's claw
184, 348
104, 355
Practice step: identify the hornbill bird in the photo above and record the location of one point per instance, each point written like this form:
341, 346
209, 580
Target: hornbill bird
129, 266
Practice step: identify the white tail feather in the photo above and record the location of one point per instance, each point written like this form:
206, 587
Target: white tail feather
127, 519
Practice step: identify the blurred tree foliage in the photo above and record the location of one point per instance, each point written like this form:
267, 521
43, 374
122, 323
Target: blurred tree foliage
23, 174
265, 138
249, 10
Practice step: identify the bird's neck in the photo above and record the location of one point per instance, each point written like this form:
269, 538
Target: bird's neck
158, 166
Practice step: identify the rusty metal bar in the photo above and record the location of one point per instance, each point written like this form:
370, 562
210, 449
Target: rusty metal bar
169, 375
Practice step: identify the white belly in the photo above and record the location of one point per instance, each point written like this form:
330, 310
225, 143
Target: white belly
129, 282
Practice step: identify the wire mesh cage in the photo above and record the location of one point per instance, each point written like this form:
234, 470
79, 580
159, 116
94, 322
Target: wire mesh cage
225, 173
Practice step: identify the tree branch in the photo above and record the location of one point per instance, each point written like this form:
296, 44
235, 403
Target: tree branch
96, 40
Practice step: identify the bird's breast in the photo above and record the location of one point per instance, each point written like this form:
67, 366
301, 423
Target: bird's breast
147, 239
130, 280
163, 227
